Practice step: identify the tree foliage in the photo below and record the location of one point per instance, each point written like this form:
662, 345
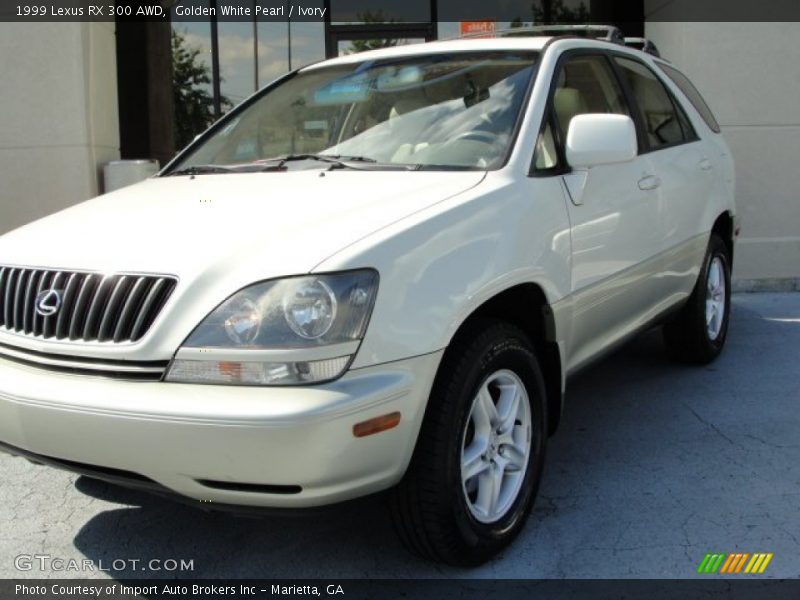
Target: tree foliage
362, 45
192, 99
554, 11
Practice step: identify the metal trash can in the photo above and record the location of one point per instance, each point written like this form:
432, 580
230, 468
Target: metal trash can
120, 173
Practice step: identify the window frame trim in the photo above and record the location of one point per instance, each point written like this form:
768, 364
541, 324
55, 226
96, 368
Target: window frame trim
644, 146
564, 168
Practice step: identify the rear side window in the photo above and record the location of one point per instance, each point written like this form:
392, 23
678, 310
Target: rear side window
687, 87
664, 121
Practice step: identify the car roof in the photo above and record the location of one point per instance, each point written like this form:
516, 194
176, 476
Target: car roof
533, 43
444, 46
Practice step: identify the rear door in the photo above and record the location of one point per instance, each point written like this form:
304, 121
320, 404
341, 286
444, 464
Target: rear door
684, 177
613, 211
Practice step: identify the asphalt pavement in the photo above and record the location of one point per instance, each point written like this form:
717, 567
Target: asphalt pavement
655, 465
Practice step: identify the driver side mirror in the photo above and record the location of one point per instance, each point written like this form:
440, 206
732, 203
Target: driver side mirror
600, 139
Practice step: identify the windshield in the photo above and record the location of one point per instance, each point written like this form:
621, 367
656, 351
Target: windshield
436, 110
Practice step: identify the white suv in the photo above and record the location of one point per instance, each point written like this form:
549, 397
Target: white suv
376, 273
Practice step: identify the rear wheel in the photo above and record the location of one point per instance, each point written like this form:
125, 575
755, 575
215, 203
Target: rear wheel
697, 333
478, 461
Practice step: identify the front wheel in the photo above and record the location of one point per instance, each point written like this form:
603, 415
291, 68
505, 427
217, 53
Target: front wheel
697, 333
478, 461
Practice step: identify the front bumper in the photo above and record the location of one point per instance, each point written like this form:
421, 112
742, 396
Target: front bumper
287, 447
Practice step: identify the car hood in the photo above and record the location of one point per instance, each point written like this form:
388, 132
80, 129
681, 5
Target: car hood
255, 225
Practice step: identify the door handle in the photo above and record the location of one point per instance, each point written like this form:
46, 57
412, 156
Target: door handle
650, 182
705, 164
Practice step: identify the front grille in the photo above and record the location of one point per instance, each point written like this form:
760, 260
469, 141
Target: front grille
87, 307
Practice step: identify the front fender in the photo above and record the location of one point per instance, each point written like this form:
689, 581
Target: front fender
439, 265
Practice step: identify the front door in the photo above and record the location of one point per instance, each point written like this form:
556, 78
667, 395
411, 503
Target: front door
614, 217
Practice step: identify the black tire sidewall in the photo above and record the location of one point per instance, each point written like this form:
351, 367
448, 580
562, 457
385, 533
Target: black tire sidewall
516, 355
716, 249
686, 334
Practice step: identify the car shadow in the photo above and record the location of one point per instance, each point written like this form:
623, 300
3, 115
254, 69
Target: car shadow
224, 544
620, 416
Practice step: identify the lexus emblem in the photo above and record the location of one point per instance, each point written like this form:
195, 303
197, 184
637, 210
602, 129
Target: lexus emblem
48, 302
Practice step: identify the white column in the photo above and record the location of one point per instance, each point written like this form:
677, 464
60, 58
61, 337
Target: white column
59, 118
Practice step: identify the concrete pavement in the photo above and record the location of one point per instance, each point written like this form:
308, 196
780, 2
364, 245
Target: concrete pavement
654, 465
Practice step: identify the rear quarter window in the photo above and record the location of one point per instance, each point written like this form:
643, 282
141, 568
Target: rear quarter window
688, 89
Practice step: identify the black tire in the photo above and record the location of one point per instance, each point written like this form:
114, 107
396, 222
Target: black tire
429, 506
686, 335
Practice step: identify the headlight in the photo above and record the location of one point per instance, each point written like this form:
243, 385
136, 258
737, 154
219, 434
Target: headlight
310, 309
280, 332
244, 323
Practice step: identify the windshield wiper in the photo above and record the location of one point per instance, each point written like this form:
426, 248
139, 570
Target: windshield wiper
202, 170
346, 158
337, 160
278, 163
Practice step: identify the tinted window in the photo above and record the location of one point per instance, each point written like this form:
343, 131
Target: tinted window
664, 123
584, 84
692, 94
545, 155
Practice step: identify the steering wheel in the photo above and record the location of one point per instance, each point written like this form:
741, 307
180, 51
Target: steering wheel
477, 135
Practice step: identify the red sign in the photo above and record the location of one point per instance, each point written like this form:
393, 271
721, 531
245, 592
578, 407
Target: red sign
478, 28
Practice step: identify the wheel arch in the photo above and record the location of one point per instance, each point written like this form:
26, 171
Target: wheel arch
525, 305
724, 227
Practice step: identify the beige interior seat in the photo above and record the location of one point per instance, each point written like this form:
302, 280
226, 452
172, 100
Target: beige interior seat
568, 103
402, 106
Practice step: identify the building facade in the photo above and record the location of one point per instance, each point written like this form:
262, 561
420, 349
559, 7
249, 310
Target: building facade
747, 72
78, 95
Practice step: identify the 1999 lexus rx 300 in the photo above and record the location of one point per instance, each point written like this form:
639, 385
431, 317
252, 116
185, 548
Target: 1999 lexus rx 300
378, 272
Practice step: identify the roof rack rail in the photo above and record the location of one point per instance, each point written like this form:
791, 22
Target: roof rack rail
608, 33
642, 44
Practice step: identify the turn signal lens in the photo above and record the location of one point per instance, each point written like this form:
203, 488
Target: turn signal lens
256, 373
376, 425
